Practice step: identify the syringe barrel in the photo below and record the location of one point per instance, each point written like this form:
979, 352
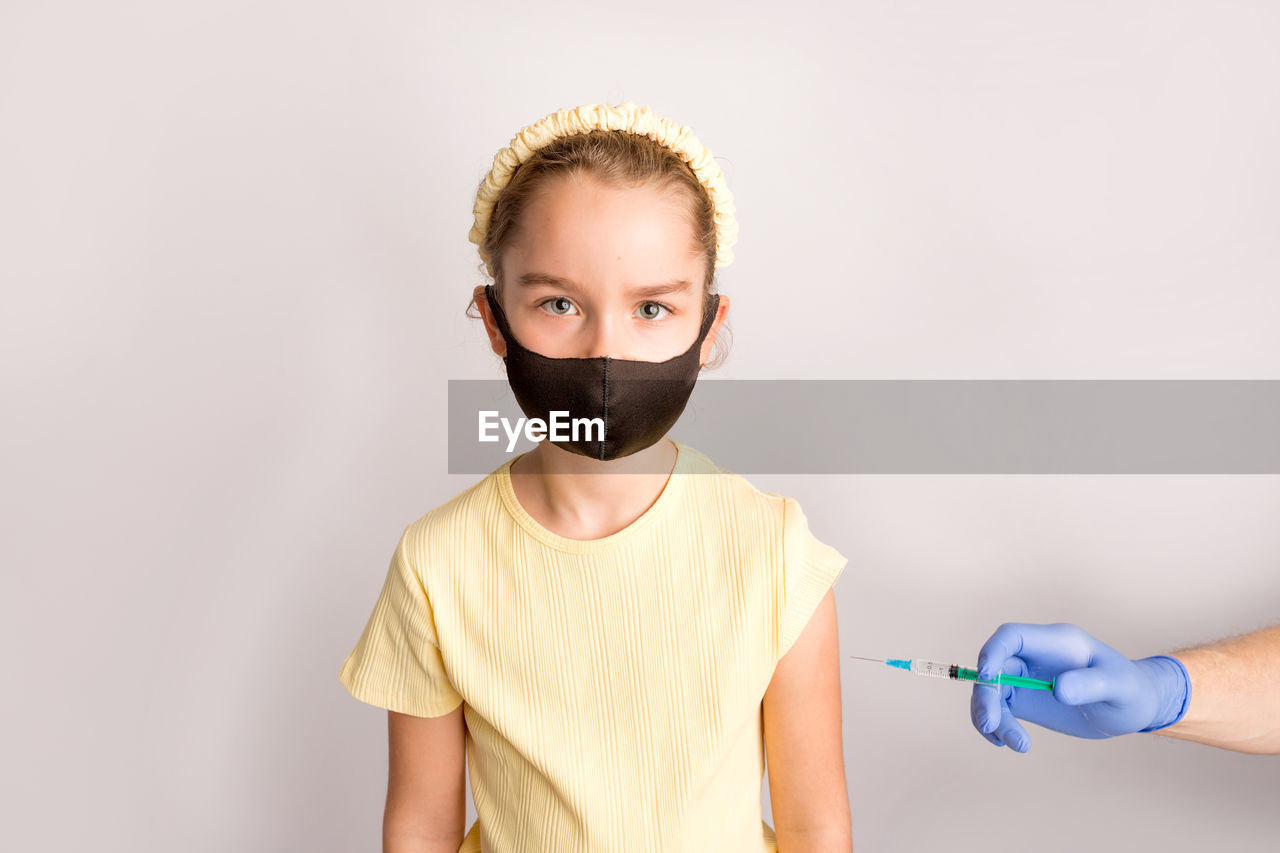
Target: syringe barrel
933, 669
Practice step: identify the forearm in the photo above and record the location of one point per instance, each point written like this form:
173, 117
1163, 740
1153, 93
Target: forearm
1235, 694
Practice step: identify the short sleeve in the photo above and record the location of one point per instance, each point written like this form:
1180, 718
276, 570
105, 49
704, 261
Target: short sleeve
809, 568
397, 663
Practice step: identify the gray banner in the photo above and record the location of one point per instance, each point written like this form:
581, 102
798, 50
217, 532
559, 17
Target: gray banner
826, 426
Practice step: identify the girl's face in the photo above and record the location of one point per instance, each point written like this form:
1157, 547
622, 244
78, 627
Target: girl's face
598, 270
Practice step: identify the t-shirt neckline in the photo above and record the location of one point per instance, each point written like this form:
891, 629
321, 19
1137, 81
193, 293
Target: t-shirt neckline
670, 493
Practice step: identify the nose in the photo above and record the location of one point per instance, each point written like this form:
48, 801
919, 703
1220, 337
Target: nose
603, 335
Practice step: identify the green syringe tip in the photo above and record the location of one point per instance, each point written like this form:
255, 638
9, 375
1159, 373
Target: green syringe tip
900, 664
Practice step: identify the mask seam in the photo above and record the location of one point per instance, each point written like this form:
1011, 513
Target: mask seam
605, 408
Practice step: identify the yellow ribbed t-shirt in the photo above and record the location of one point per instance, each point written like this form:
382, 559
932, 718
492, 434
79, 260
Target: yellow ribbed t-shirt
612, 686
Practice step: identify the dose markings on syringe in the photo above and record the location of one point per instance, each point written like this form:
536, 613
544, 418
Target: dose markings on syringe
927, 667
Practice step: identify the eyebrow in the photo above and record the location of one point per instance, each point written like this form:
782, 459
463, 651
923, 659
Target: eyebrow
538, 279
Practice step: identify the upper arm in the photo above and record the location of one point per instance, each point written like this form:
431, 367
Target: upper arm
802, 736
426, 785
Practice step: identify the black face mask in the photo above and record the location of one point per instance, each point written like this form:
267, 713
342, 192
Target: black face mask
638, 401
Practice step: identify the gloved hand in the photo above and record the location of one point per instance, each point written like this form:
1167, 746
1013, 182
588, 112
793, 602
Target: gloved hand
1098, 692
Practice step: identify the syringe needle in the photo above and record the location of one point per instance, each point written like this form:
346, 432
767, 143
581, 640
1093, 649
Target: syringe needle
873, 660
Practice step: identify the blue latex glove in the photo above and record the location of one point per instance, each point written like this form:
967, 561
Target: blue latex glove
1098, 692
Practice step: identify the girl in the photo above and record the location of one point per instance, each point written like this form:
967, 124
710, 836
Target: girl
611, 632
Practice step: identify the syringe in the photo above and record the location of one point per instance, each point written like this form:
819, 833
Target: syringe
959, 673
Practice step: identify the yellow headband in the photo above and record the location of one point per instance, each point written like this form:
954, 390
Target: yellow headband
627, 117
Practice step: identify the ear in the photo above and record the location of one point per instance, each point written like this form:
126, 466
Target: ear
496, 342
710, 341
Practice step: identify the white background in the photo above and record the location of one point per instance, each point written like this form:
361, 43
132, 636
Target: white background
234, 258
